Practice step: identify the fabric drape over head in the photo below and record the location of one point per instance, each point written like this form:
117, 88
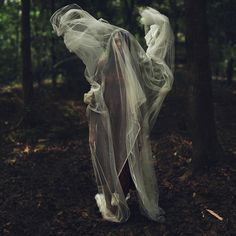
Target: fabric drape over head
128, 87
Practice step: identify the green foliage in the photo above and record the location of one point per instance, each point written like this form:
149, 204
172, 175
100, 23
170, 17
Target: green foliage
221, 23
123, 13
10, 40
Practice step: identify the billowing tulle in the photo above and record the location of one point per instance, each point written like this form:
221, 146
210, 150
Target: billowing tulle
128, 87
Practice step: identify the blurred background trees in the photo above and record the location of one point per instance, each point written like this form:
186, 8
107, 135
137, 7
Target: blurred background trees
33, 56
50, 57
27, 78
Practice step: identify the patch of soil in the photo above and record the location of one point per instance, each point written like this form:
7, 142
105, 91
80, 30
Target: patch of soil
47, 185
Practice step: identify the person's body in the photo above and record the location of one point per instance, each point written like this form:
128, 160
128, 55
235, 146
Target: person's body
115, 84
109, 72
128, 87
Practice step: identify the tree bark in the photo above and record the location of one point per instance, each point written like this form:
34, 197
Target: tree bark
206, 147
53, 54
128, 7
26, 54
230, 71
175, 13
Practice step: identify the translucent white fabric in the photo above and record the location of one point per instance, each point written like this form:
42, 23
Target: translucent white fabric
128, 86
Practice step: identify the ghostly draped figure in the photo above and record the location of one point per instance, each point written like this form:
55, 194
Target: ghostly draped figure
128, 87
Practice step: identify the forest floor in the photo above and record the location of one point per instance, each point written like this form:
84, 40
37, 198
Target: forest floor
47, 185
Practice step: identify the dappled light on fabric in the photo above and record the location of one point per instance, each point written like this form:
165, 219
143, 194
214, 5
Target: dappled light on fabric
128, 87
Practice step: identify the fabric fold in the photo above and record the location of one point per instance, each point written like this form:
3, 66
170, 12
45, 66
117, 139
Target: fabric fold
128, 87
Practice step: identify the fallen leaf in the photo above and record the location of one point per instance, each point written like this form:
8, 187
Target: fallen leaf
84, 214
26, 150
215, 214
186, 176
11, 162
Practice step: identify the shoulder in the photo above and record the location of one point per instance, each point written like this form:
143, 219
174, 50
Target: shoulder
101, 62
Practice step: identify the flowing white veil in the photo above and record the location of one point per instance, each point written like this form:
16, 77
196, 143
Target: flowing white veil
128, 86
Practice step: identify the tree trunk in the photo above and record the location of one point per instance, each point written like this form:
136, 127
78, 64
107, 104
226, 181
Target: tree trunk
128, 7
175, 13
229, 71
206, 148
26, 55
53, 54
17, 61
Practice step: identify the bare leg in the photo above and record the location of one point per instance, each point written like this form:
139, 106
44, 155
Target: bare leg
126, 179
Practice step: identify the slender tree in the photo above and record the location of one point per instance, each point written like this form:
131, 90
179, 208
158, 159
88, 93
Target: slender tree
231, 38
206, 148
53, 54
230, 71
26, 54
128, 7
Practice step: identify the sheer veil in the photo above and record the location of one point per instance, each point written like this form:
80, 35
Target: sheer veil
128, 86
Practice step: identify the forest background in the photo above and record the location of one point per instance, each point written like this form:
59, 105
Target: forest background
47, 183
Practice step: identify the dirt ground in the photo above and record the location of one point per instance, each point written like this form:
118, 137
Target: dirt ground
47, 185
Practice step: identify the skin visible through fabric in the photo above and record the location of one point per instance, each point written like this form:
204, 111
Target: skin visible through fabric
128, 87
